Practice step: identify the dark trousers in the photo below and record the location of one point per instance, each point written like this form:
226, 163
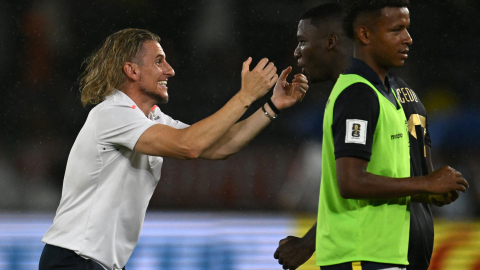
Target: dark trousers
57, 258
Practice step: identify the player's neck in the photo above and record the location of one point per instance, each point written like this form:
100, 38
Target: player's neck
368, 59
336, 74
341, 67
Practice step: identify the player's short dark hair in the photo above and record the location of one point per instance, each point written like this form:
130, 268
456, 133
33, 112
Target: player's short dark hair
322, 12
353, 8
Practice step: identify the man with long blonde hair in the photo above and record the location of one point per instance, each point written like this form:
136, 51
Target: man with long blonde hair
115, 162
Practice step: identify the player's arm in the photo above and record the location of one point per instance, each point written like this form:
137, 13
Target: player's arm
354, 182
166, 141
293, 251
284, 95
359, 102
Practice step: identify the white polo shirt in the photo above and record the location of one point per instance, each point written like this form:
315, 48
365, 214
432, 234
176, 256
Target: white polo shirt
107, 185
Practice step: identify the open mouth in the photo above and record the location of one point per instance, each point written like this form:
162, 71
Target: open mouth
162, 83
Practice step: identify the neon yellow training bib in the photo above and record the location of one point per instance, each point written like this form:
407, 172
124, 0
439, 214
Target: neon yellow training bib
377, 230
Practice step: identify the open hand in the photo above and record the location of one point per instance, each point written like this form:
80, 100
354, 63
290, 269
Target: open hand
256, 83
286, 94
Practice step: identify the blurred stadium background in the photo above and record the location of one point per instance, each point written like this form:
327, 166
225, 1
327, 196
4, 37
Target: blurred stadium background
224, 214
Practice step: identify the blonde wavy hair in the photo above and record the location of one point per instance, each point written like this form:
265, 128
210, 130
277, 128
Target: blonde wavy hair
104, 68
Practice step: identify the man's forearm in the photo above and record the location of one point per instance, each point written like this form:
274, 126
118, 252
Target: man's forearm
370, 186
206, 132
190, 142
238, 136
310, 237
354, 182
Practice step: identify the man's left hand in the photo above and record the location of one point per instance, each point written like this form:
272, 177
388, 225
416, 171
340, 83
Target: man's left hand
286, 94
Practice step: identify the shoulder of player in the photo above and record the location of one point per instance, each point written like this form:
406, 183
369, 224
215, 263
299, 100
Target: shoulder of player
112, 111
357, 92
357, 99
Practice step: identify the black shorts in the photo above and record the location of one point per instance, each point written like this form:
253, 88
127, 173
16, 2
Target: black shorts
54, 258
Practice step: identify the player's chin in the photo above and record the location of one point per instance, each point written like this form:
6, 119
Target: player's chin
162, 99
162, 96
398, 63
401, 60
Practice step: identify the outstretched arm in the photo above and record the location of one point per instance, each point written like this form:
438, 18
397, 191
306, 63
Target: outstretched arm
284, 95
293, 251
163, 140
354, 182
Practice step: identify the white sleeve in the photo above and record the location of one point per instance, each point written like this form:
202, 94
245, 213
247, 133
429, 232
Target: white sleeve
121, 125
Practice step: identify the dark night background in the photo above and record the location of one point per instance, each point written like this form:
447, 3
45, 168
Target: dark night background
43, 44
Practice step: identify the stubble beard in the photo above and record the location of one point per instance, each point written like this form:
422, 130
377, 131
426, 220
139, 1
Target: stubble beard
158, 98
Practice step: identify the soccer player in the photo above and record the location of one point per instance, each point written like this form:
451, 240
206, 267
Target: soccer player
115, 162
295, 251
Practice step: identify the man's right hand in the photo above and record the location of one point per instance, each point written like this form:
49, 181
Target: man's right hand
256, 83
292, 252
445, 180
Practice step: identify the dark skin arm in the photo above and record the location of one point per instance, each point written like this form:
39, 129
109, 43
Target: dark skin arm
293, 251
354, 182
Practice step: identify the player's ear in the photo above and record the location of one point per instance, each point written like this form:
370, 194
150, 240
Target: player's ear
363, 33
332, 41
130, 69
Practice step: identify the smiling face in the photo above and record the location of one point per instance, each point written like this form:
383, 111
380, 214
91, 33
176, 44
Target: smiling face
154, 71
390, 41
